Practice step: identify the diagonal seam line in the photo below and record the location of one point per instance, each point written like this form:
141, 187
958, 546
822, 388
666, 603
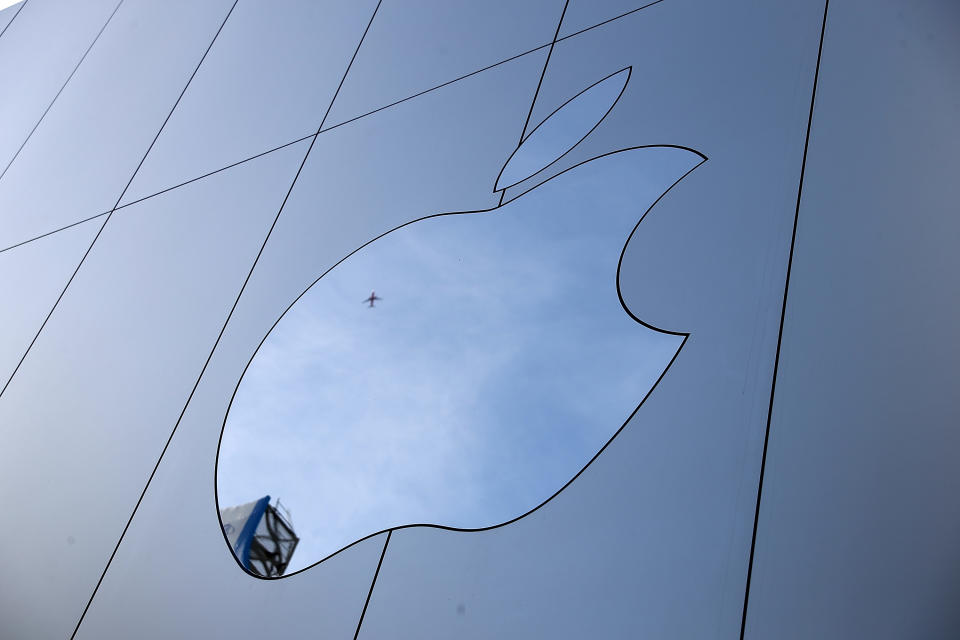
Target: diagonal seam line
225, 324
64, 86
100, 231
345, 73
491, 66
783, 313
609, 20
110, 214
7, 26
339, 124
50, 233
161, 192
282, 146
439, 86
373, 583
546, 63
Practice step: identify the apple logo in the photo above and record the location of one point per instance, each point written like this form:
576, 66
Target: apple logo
497, 361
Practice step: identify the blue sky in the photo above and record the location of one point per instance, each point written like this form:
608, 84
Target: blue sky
498, 362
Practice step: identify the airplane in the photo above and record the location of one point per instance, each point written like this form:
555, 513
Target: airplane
373, 296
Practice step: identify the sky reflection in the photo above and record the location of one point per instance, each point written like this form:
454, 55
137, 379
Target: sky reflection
498, 361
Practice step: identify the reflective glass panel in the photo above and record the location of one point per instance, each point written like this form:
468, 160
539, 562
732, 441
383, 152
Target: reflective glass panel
452, 350
120, 353
89, 145
39, 54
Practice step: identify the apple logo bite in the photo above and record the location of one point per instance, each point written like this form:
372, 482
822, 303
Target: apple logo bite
492, 363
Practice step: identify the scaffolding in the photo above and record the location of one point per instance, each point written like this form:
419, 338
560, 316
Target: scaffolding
261, 537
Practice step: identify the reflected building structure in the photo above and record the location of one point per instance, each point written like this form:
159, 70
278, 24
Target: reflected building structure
698, 385
261, 537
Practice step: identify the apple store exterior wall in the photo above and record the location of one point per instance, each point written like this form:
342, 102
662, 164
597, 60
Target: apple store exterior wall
746, 427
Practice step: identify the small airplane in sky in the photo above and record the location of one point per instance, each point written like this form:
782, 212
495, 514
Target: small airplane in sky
373, 296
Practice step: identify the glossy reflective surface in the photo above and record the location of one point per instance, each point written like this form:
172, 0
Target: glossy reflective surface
807, 262
563, 129
493, 363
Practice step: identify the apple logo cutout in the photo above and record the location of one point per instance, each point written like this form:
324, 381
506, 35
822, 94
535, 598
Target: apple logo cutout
494, 363
563, 129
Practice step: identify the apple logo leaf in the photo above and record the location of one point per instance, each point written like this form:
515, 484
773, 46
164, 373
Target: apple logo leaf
563, 129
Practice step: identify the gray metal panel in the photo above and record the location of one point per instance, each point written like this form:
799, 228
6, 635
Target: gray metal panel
860, 522
88, 146
32, 276
119, 357
7, 14
218, 600
38, 54
582, 14
418, 44
267, 81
